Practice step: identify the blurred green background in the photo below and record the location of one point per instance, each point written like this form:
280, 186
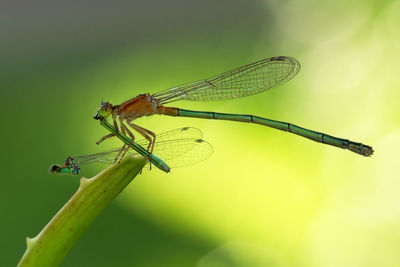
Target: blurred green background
265, 197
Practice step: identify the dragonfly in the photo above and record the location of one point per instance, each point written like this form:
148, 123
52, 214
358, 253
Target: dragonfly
243, 81
179, 147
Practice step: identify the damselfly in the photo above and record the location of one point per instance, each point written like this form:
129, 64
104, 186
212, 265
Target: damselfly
247, 80
179, 147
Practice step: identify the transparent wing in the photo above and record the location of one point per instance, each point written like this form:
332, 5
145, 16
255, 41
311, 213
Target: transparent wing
176, 153
247, 80
196, 151
183, 152
169, 143
179, 147
180, 133
107, 157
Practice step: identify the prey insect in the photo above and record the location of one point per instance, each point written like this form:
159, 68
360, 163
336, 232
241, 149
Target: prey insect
180, 147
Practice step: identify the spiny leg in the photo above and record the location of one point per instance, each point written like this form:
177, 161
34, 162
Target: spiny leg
110, 135
126, 130
119, 153
114, 117
104, 138
146, 134
126, 150
123, 130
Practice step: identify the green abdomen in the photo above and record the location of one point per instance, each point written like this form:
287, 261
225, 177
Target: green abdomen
283, 126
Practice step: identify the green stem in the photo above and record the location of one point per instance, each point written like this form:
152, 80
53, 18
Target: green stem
53, 243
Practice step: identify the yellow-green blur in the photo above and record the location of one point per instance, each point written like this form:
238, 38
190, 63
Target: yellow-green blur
265, 197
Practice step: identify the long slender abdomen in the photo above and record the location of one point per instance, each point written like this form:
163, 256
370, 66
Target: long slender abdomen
283, 126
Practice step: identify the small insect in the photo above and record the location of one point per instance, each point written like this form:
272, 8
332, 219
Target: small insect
179, 147
247, 80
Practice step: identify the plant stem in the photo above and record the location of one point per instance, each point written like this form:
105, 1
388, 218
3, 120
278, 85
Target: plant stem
53, 243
